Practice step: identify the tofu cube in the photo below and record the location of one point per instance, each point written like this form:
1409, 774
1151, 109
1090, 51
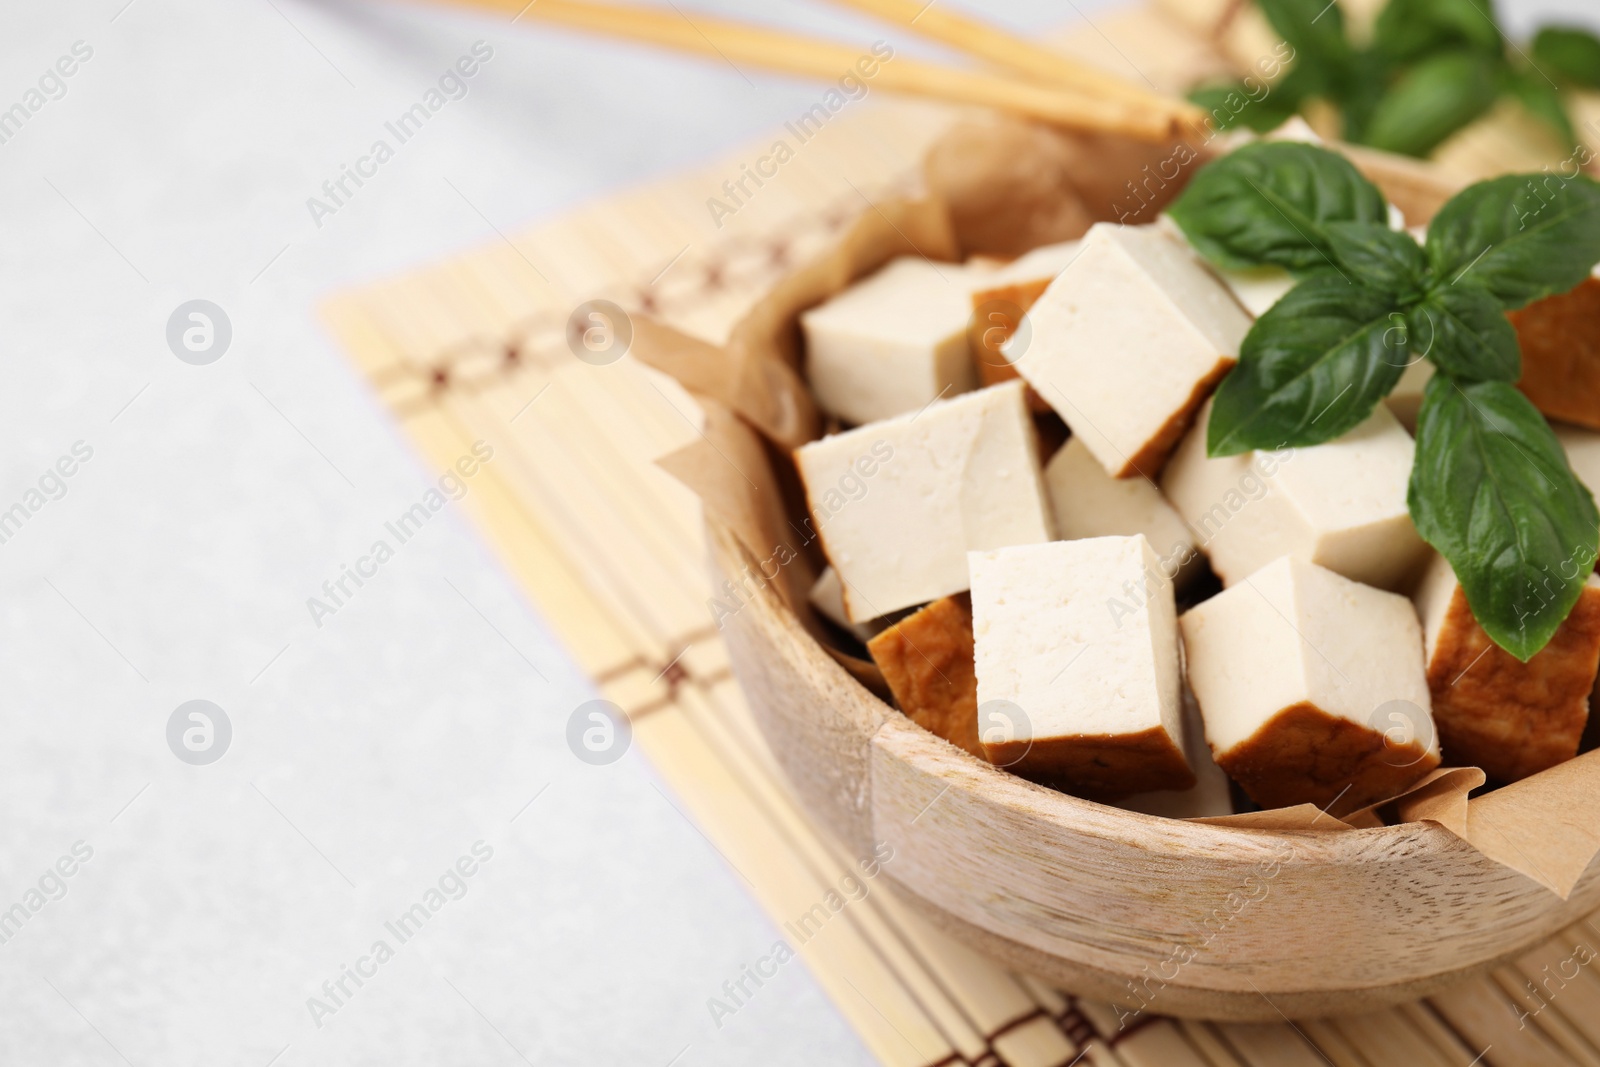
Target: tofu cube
1311, 687
1583, 456
999, 302
1077, 662
1583, 453
1340, 505
827, 597
1257, 289
1510, 718
1088, 502
927, 659
1127, 344
899, 503
1560, 339
1405, 400
1024, 279
892, 342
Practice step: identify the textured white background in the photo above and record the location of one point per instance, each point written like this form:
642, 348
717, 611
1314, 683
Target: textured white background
370, 753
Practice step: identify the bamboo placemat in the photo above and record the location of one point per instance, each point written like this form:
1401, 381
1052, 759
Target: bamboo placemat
610, 548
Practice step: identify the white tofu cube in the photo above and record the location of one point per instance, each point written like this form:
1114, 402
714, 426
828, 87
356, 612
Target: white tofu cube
1405, 400
1026, 277
999, 301
1583, 453
892, 342
1311, 687
1257, 289
1088, 502
1077, 660
1341, 505
899, 503
1510, 718
1583, 456
827, 597
1127, 344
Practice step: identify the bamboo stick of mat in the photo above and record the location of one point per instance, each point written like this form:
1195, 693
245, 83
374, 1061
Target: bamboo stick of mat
736, 42
1006, 50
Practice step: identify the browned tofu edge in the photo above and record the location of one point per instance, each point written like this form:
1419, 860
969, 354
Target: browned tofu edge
928, 660
1304, 755
1511, 718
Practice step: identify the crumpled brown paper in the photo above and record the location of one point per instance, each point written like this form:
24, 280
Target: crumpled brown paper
1002, 187
728, 468
1440, 797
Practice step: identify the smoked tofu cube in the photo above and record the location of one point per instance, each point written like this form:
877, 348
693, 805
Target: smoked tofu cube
1088, 502
1024, 279
892, 342
1301, 675
999, 302
827, 597
1077, 662
1340, 505
1127, 344
927, 659
1510, 718
1560, 339
898, 504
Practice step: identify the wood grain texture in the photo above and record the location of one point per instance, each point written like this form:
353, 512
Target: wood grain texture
815, 722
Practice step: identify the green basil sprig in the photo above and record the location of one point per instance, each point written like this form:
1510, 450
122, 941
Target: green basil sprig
1491, 488
1432, 68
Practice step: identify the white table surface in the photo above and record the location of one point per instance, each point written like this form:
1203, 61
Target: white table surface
372, 752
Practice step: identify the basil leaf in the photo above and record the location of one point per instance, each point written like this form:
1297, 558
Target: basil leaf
1408, 30
1315, 29
1310, 369
1492, 491
1232, 105
1364, 89
1543, 100
1571, 55
1431, 101
1378, 257
1267, 203
1522, 237
1463, 330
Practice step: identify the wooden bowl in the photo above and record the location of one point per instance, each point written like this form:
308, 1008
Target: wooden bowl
1161, 915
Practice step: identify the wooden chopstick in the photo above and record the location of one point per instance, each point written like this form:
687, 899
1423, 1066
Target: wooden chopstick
984, 41
737, 42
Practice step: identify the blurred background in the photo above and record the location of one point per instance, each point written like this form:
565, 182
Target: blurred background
417, 730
